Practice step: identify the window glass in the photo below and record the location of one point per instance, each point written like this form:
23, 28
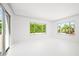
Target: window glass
37, 28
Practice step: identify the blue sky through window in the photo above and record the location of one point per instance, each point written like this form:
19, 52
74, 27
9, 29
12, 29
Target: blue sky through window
0, 13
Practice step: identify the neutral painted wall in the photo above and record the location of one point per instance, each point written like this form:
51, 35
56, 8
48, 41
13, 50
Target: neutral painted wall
49, 43
21, 29
69, 44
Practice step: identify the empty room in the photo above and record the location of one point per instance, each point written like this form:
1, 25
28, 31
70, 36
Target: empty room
39, 29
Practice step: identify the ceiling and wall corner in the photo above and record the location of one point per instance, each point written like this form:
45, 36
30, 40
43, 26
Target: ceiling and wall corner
45, 11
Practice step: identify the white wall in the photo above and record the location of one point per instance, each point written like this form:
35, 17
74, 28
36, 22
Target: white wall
49, 43
67, 44
21, 29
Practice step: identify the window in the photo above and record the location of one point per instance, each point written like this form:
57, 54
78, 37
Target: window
37, 28
1, 30
4, 30
1, 18
67, 28
0, 27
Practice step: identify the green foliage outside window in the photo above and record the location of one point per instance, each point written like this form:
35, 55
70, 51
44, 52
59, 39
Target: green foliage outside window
1, 17
37, 28
67, 28
0, 28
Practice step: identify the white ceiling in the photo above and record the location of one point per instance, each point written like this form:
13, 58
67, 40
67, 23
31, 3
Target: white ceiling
49, 11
